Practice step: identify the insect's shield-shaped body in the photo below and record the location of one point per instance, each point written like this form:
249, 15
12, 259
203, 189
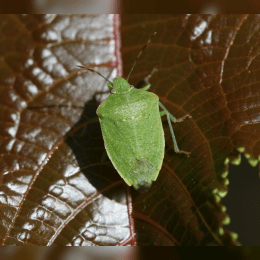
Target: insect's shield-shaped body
132, 130
133, 134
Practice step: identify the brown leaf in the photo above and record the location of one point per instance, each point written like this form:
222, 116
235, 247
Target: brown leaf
54, 189
207, 67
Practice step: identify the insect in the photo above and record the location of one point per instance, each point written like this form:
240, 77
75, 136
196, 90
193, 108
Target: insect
132, 130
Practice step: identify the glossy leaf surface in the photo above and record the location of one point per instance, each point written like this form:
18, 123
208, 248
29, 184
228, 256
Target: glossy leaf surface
54, 188
47, 197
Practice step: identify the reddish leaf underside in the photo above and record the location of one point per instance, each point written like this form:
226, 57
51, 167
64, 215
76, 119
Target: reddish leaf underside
207, 67
54, 188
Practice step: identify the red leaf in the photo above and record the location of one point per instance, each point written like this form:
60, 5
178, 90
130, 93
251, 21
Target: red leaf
207, 67
54, 188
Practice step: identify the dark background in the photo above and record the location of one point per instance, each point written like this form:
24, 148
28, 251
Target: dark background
130, 6
243, 202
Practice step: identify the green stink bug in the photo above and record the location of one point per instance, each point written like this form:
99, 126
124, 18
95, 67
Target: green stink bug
132, 130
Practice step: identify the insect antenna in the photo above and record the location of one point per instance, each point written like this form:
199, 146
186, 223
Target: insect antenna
136, 59
86, 68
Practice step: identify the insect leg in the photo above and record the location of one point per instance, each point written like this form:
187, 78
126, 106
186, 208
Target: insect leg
176, 148
173, 119
146, 87
146, 79
169, 118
